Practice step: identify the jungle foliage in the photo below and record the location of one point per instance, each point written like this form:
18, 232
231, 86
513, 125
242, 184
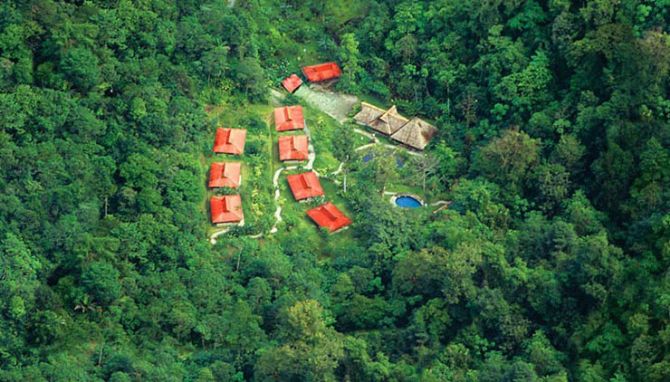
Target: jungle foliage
551, 263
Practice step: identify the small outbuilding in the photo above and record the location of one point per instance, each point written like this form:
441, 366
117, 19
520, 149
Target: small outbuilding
293, 148
230, 141
225, 175
289, 118
416, 133
226, 209
328, 216
291, 83
322, 72
305, 186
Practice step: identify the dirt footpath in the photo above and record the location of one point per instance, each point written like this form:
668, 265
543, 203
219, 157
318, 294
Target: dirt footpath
336, 105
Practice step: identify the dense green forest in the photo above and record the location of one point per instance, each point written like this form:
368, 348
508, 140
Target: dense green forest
551, 263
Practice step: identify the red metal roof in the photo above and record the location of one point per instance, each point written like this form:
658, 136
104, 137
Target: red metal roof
225, 175
229, 141
328, 216
289, 118
305, 185
292, 83
293, 147
322, 72
226, 209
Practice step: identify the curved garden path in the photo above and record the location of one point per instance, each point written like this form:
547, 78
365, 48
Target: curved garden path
309, 166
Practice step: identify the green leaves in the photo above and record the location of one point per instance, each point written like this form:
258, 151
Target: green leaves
311, 350
101, 281
507, 159
80, 67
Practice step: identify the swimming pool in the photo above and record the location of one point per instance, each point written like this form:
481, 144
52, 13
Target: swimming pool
406, 201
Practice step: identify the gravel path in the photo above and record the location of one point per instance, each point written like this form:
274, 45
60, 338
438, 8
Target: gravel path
311, 156
336, 105
212, 239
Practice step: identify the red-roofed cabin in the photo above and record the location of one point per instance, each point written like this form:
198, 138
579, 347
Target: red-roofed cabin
289, 118
322, 72
229, 141
225, 175
226, 209
293, 148
328, 216
292, 83
305, 185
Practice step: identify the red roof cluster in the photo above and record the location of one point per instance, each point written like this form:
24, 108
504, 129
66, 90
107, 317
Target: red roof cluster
328, 216
293, 147
226, 209
292, 83
305, 185
230, 141
322, 72
289, 118
225, 175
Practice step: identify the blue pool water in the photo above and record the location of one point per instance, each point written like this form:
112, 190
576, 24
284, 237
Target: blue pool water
407, 202
367, 158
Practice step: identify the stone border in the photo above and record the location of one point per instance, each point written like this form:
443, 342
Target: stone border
397, 195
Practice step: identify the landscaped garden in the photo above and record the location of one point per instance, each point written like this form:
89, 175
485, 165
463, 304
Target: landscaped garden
338, 147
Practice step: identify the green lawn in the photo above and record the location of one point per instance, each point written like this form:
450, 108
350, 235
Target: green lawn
295, 216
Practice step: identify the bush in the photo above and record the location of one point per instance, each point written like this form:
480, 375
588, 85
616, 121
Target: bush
290, 100
253, 123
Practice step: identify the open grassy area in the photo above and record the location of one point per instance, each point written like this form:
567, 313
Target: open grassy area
295, 217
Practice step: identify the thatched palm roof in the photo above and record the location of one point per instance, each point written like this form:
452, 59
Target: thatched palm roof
389, 122
368, 113
416, 133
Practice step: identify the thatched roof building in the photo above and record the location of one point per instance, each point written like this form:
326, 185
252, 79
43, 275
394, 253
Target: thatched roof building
368, 114
390, 122
416, 133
